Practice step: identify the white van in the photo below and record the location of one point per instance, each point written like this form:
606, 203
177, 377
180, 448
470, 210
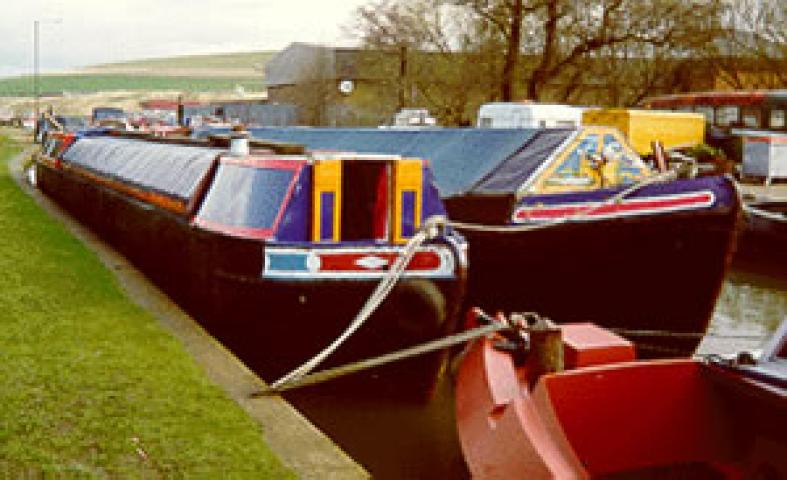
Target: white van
528, 115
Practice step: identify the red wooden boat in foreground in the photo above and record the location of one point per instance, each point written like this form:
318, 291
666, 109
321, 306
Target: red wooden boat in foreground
609, 416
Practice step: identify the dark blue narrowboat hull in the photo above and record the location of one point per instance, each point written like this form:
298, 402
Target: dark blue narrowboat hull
272, 324
642, 271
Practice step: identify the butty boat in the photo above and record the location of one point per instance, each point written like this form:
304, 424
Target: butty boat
607, 415
276, 252
573, 224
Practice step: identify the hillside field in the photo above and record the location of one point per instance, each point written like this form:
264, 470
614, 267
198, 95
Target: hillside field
189, 74
246, 64
90, 83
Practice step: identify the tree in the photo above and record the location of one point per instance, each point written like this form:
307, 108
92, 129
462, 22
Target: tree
441, 61
610, 51
752, 49
562, 34
506, 18
315, 91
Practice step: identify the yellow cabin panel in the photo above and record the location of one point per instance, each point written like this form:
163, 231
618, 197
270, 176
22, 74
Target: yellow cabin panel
326, 200
407, 185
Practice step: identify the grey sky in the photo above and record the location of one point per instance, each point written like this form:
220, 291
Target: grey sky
103, 31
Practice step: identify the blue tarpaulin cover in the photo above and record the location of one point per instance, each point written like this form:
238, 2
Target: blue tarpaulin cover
512, 172
463, 160
173, 170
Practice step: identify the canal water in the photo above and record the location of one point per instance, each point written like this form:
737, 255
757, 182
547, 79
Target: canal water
401, 438
750, 307
396, 439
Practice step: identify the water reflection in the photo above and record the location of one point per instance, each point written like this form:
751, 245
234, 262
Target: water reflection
749, 309
391, 437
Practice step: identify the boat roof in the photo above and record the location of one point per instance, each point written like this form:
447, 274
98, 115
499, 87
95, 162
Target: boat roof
468, 161
463, 160
142, 163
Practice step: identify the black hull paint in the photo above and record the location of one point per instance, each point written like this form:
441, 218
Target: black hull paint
273, 326
647, 273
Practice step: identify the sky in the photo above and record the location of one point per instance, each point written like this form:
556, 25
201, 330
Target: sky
76, 33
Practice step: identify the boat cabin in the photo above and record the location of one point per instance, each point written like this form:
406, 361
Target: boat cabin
328, 198
320, 197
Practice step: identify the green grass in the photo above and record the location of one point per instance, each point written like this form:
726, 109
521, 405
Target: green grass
91, 386
214, 61
89, 83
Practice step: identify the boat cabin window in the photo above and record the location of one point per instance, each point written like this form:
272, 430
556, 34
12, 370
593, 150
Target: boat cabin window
365, 200
706, 111
576, 170
246, 197
777, 120
751, 117
624, 165
596, 162
726, 115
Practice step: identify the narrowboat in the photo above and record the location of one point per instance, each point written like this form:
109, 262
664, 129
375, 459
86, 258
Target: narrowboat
275, 252
607, 415
577, 226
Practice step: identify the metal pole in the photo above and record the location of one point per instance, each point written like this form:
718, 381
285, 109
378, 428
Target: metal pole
36, 93
402, 76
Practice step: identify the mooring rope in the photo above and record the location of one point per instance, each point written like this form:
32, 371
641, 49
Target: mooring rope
410, 352
430, 226
384, 287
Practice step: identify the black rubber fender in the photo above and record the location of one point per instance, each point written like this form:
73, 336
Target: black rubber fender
419, 307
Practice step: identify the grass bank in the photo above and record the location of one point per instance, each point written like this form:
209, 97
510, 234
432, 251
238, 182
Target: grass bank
89, 83
90, 384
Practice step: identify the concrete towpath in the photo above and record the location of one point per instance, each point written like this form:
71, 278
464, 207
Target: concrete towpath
299, 445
